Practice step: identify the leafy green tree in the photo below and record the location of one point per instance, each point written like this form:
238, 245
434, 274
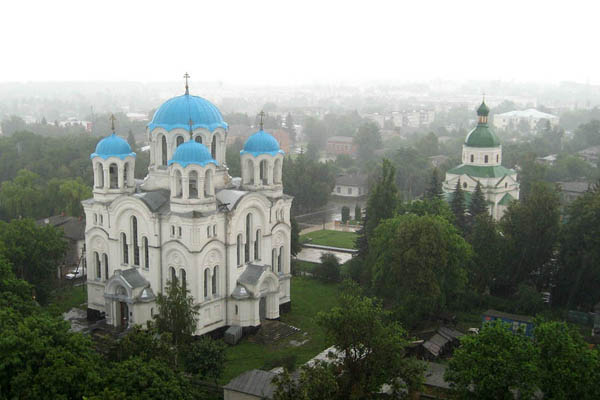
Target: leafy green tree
428, 145
417, 264
371, 347
35, 253
412, 174
493, 364
177, 314
22, 197
204, 358
329, 268
357, 213
531, 229
309, 181
232, 158
345, 214
315, 382
459, 209
435, 185
488, 252
131, 140
16, 295
587, 135
368, 139
433, 206
578, 279
73, 191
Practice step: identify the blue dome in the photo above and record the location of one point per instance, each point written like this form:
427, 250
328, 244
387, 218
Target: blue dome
177, 112
261, 142
192, 152
113, 146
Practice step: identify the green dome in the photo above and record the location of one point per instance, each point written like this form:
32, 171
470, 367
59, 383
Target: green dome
482, 136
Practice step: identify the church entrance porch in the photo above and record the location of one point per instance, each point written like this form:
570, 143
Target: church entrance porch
262, 308
124, 315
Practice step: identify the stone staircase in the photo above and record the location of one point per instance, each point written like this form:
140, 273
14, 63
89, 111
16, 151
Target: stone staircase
272, 331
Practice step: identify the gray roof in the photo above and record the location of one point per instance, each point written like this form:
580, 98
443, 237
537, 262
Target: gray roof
230, 197
434, 375
352, 180
254, 382
133, 278
252, 274
240, 293
576, 187
514, 317
344, 139
155, 199
450, 333
73, 227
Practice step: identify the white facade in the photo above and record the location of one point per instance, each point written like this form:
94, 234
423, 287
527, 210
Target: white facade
531, 116
229, 246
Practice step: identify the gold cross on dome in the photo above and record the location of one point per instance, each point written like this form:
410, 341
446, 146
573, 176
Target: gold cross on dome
262, 115
187, 88
112, 122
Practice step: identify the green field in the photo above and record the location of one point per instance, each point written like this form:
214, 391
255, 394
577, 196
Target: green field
331, 238
309, 296
66, 297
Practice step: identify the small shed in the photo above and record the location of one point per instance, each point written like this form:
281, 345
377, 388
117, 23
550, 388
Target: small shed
253, 384
517, 322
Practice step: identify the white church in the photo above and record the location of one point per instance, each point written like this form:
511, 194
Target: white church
227, 240
482, 163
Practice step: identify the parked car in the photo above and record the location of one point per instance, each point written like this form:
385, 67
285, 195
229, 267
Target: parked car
74, 274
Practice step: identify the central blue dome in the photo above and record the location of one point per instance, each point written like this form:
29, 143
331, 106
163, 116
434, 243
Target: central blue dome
192, 152
113, 146
177, 112
261, 142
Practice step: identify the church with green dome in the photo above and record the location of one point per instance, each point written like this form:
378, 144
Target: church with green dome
482, 163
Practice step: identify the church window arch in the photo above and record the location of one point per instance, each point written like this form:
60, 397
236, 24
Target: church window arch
198, 139
464, 185
215, 277
183, 279
172, 275
179, 140
247, 255
113, 172
485, 158
146, 252
95, 219
263, 172
472, 158
215, 230
178, 231
97, 265
105, 260
249, 172
193, 185
280, 260
125, 175
239, 249
208, 231
505, 185
257, 245
213, 147
178, 181
99, 175
101, 219
277, 169
134, 237
497, 157
163, 152
206, 274
208, 185
274, 260
124, 249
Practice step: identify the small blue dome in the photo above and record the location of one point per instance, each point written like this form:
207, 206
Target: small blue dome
261, 142
177, 112
113, 146
192, 152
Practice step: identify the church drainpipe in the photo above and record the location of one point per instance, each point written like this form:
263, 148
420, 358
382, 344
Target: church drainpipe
225, 227
158, 222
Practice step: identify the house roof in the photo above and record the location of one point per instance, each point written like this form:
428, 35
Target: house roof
133, 278
251, 275
514, 317
478, 171
254, 382
576, 187
155, 199
506, 199
343, 139
73, 227
529, 113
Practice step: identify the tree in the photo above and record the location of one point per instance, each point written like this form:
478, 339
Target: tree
435, 185
204, 358
478, 204
177, 314
295, 246
531, 229
289, 126
493, 364
345, 214
417, 265
329, 268
370, 347
316, 382
368, 139
459, 209
428, 145
22, 197
232, 157
488, 252
35, 253
357, 213
131, 140
309, 181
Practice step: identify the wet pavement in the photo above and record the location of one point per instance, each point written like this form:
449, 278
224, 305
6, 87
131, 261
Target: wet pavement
314, 255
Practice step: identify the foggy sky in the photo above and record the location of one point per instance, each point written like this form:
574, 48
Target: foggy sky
285, 42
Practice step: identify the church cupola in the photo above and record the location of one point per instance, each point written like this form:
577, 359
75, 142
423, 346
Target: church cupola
482, 146
192, 174
114, 165
262, 162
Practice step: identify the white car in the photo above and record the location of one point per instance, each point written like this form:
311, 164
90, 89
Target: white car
74, 274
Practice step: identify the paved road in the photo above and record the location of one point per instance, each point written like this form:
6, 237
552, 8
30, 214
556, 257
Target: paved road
314, 255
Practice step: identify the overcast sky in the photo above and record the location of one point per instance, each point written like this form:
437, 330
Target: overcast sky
291, 42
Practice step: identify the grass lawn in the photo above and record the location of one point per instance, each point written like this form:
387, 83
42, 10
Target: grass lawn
331, 238
66, 297
309, 296
304, 266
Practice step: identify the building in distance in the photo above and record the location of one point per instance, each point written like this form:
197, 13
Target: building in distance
341, 145
530, 116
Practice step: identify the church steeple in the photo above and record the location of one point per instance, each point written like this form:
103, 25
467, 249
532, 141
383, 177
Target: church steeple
482, 113
187, 88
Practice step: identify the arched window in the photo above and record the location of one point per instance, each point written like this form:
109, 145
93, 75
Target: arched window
208, 184
485, 158
239, 249
163, 152
505, 185
193, 185
257, 245
105, 259
125, 175
497, 157
198, 139
124, 248
214, 230
208, 231
95, 219
214, 279
465, 185
113, 172
274, 260
277, 171
213, 147
249, 172
472, 158
134, 236
97, 265
183, 280
146, 253
280, 260
178, 188
172, 275
179, 140
263, 172
248, 237
99, 176
206, 282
